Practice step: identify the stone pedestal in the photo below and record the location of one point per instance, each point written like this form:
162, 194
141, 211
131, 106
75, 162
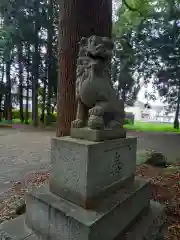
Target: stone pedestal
93, 193
84, 172
57, 218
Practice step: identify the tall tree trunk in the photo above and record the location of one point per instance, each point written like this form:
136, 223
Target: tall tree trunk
35, 69
43, 108
21, 80
27, 101
124, 95
176, 120
49, 62
42, 118
8, 89
2, 91
7, 57
78, 18
27, 86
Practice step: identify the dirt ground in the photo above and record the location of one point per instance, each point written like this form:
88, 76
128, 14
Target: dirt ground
26, 150
166, 143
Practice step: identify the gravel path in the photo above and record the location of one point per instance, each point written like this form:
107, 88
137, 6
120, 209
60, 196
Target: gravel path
22, 152
26, 150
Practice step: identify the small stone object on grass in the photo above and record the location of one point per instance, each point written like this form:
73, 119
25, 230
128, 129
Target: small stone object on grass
156, 159
151, 157
21, 207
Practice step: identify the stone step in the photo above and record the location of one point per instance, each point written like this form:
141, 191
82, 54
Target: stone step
15, 229
147, 227
58, 218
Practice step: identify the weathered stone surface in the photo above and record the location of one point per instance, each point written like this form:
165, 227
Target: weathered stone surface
34, 237
15, 229
149, 227
98, 104
156, 159
84, 171
57, 218
97, 135
152, 157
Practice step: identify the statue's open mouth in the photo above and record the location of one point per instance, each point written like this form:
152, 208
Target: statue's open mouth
96, 57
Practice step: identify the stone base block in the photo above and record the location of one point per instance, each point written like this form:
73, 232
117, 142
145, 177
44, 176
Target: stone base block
54, 218
83, 172
97, 135
150, 227
15, 229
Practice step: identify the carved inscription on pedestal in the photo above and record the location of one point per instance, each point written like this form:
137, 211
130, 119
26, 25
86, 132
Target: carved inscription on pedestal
117, 164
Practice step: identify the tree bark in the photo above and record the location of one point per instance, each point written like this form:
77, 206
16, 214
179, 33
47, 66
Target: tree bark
35, 70
77, 19
49, 62
176, 120
8, 89
27, 85
21, 80
8, 61
2, 91
43, 106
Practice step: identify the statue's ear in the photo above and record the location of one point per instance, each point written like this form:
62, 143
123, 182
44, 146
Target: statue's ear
83, 41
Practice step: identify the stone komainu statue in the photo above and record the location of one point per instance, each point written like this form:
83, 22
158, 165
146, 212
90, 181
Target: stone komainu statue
98, 104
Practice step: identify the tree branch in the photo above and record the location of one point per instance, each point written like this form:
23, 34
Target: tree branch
131, 8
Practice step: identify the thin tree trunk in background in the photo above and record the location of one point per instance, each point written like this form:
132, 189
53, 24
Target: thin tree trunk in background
7, 58
8, 88
176, 120
21, 80
49, 62
43, 108
27, 101
2, 92
35, 69
5, 107
124, 95
77, 19
27, 86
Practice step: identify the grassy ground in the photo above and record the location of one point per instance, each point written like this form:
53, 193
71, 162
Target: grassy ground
14, 121
138, 126
152, 127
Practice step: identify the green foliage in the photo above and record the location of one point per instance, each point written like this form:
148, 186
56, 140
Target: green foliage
16, 114
51, 118
127, 121
152, 127
28, 51
123, 69
132, 13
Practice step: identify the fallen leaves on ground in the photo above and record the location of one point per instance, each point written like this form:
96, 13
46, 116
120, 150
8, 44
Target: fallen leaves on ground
165, 185
15, 196
166, 190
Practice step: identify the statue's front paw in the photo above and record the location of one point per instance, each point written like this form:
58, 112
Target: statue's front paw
96, 111
78, 123
96, 122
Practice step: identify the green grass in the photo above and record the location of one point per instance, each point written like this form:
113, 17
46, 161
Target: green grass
152, 127
138, 126
14, 121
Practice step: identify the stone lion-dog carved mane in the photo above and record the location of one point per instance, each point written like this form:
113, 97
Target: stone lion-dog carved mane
98, 105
